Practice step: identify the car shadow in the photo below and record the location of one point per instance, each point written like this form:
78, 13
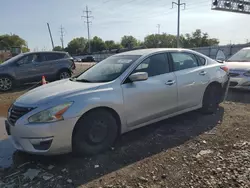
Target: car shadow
130, 148
236, 95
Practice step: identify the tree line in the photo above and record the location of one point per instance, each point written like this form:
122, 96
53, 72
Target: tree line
7, 42
195, 39
80, 45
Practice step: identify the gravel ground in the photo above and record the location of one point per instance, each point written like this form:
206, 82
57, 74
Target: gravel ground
190, 150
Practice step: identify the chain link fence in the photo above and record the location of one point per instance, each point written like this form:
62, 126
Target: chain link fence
214, 52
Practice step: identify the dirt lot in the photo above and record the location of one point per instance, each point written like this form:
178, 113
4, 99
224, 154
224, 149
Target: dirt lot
191, 150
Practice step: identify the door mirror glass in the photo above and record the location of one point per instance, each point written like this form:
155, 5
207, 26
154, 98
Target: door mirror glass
139, 76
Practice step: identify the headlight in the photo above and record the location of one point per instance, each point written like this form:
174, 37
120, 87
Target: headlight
247, 73
50, 115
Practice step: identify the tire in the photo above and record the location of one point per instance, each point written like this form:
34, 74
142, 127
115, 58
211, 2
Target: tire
94, 133
211, 99
6, 83
64, 74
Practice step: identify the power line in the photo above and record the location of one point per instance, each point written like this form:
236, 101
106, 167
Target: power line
62, 36
87, 12
179, 4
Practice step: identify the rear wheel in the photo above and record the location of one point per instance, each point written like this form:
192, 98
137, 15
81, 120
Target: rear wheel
211, 99
94, 132
64, 74
6, 83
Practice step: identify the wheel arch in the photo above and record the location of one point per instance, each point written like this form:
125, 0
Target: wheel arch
213, 83
110, 110
7, 75
63, 69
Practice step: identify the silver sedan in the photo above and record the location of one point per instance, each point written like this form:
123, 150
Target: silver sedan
86, 114
239, 68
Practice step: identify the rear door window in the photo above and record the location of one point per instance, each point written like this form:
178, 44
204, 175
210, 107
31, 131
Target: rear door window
182, 60
54, 56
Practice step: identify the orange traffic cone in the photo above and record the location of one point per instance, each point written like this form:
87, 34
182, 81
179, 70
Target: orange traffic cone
43, 80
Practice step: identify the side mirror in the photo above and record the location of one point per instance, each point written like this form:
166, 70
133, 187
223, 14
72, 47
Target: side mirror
139, 76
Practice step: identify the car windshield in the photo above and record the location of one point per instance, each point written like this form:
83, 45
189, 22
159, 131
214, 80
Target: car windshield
12, 59
108, 69
241, 56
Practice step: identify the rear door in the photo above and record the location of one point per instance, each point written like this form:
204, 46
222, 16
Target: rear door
48, 67
192, 78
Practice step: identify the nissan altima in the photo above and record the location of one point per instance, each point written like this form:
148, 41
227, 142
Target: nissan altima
239, 69
85, 114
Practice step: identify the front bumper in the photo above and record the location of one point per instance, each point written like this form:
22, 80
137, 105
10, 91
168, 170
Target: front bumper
240, 83
44, 138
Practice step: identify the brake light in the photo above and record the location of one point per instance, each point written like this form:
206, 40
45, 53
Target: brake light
226, 69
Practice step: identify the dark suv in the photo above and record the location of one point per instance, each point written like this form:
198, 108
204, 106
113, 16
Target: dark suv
30, 67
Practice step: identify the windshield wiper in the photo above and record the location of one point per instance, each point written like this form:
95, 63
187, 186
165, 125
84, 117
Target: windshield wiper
82, 80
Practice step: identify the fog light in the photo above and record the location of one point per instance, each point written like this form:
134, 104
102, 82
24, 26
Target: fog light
41, 143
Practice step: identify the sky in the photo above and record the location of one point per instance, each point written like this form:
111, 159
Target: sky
113, 19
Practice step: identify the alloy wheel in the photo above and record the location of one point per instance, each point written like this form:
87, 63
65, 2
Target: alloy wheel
5, 84
64, 75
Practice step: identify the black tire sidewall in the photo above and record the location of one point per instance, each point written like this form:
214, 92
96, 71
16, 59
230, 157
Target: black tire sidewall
211, 99
80, 141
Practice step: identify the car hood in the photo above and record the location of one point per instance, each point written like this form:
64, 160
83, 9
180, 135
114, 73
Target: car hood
55, 91
238, 65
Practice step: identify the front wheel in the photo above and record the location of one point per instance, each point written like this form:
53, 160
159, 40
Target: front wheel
94, 132
211, 99
6, 83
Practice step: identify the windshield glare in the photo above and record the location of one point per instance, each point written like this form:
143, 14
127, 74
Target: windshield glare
241, 56
108, 69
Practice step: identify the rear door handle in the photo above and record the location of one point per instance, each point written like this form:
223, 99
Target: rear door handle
203, 73
170, 82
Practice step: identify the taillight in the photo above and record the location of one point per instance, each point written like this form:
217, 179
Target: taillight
73, 65
226, 69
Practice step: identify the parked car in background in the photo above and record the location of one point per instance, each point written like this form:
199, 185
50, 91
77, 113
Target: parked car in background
30, 67
88, 58
126, 91
77, 59
239, 68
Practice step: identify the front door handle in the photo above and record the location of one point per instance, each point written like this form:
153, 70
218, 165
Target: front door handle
203, 73
170, 82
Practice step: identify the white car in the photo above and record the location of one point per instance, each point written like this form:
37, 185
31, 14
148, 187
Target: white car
121, 93
239, 69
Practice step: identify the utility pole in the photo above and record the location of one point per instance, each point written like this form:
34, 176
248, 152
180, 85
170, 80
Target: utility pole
62, 35
179, 4
50, 36
159, 28
87, 12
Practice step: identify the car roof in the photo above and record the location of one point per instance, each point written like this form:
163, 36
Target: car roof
144, 52
59, 52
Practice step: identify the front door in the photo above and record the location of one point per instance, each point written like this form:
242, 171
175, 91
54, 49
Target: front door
192, 79
153, 98
25, 70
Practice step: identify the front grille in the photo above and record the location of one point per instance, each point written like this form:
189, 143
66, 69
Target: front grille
233, 83
16, 112
233, 74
